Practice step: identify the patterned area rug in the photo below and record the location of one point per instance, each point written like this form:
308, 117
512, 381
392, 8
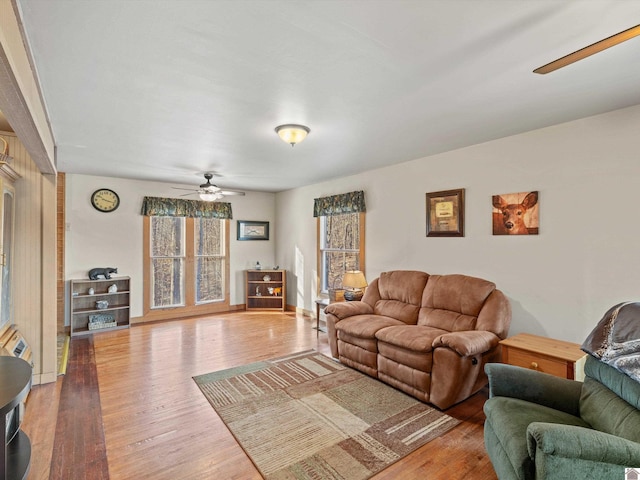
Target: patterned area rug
306, 416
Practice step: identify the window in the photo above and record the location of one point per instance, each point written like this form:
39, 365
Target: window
168, 259
186, 266
340, 247
210, 260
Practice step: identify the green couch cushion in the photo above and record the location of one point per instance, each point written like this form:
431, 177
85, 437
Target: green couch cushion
511, 417
619, 383
607, 412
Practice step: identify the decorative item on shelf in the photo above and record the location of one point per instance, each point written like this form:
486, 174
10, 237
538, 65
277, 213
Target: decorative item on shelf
101, 320
258, 292
270, 290
113, 288
277, 291
106, 272
292, 133
354, 283
276, 267
102, 304
267, 278
258, 266
91, 291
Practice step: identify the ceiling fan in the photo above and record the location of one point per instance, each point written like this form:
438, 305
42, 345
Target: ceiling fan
590, 50
208, 191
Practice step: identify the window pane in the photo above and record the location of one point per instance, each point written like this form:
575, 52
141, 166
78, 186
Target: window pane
341, 232
340, 248
209, 236
167, 282
335, 264
167, 236
209, 279
209, 245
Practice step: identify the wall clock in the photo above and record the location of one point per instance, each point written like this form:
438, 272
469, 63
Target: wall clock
105, 200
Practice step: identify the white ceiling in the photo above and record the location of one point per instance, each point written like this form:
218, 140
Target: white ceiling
166, 90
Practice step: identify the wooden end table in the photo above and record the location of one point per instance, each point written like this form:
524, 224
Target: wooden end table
320, 302
547, 355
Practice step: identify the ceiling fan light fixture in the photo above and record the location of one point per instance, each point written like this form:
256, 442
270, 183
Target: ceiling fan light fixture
210, 196
292, 133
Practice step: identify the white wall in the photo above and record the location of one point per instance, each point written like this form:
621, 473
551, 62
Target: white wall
561, 281
97, 239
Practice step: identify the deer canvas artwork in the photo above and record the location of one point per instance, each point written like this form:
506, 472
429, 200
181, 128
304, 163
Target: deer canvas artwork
516, 214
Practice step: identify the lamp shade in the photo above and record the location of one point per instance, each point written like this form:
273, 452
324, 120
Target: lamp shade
292, 133
354, 279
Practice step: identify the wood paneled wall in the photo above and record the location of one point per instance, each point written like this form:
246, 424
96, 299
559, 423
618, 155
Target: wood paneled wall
60, 243
34, 269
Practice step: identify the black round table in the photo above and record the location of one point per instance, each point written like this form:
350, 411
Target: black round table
15, 447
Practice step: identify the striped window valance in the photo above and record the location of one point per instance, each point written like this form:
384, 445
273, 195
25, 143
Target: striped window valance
179, 207
352, 202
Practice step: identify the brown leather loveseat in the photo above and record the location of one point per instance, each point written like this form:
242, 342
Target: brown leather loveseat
427, 335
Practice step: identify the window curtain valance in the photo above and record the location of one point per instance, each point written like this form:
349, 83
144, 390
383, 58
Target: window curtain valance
352, 202
178, 207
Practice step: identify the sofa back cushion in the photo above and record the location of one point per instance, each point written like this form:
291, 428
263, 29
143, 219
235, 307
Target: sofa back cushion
610, 400
453, 302
608, 413
400, 294
620, 384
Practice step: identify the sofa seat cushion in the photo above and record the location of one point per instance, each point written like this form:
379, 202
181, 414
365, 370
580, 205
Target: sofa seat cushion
510, 417
409, 345
361, 330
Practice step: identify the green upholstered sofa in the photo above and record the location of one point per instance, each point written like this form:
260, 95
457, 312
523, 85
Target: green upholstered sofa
543, 427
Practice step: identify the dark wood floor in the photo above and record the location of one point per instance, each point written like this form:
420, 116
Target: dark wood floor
128, 407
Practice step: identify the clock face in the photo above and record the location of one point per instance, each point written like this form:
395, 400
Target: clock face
105, 200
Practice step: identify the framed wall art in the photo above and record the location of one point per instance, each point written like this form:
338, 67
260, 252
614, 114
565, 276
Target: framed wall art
445, 213
516, 213
249, 230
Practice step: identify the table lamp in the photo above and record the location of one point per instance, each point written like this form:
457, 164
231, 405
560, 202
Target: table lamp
353, 283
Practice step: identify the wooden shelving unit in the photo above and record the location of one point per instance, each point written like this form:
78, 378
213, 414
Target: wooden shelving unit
84, 311
266, 290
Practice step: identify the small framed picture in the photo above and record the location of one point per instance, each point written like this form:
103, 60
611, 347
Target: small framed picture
248, 230
445, 213
516, 213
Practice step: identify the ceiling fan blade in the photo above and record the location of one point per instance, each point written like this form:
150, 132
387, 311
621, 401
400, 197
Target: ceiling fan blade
231, 192
590, 50
187, 194
186, 189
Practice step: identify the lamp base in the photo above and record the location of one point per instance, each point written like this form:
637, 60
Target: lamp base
353, 295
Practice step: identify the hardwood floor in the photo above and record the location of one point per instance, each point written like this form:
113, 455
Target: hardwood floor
129, 408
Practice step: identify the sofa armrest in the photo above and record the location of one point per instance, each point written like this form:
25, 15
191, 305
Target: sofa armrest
581, 443
342, 310
468, 342
537, 387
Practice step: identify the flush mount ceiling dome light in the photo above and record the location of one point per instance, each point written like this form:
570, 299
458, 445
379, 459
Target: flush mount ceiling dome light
292, 133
